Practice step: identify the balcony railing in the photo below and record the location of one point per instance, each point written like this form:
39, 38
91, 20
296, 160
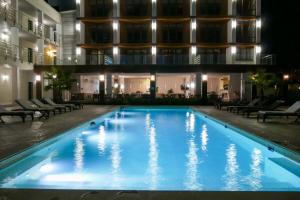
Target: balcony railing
13, 53
7, 13
30, 25
269, 59
135, 59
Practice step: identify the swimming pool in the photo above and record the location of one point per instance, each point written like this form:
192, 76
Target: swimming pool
173, 149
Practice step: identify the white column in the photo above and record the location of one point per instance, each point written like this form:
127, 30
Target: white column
40, 51
59, 42
198, 84
40, 19
80, 12
116, 32
231, 7
193, 8
154, 26
258, 7
234, 85
109, 85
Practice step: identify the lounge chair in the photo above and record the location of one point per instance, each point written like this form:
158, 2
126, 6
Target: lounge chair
270, 107
27, 106
291, 111
78, 104
238, 107
52, 103
221, 104
42, 105
22, 114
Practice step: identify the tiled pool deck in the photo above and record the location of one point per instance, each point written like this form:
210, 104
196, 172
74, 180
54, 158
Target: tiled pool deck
16, 136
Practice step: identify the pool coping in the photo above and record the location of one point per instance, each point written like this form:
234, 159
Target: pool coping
293, 155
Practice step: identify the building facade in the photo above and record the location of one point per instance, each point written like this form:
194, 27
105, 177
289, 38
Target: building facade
168, 32
132, 47
30, 33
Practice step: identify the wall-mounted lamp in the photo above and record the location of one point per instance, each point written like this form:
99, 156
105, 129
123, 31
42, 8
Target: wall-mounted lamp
153, 25
101, 78
286, 77
153, 50
258, 23
115, 50
233, 24
258, 49
194, 25
78, 26
5, 77
115, 26
204, 77
152, 78
233, 50
38, 78
193, 85
194, 50
78, 51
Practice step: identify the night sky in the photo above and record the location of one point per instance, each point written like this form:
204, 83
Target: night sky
281, 29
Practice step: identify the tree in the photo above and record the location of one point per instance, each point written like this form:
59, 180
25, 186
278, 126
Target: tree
263, 81
59, 81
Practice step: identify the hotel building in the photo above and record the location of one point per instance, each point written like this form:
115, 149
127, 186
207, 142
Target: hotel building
30, 33
182, 48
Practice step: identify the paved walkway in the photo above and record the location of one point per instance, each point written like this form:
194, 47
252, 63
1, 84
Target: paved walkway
15, 136
278, 130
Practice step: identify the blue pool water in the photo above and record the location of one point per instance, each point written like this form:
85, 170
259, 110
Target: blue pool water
153, 149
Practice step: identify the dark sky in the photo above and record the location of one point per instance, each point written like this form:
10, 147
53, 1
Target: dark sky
280, 32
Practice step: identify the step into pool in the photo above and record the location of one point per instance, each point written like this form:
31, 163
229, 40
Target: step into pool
146, 148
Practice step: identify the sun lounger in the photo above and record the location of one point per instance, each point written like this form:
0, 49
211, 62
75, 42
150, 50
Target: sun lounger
52, 103
291, 111
27, 106
271, 107
238, 107
42, 105
22, 114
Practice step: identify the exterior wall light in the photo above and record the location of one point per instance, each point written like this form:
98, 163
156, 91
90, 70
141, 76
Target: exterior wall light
78, 27
5, 77
233, 24
122, 86
204, 77
4, 37
258, 23
233, 50
115, 1
193, 85
116, 85
115, 50
78, 2
38, 78
153, 25
153, 1
194, 25
286, 77
258, 49
115, 26
194, 50
152, 78
78, 51
153, 50
101, 78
